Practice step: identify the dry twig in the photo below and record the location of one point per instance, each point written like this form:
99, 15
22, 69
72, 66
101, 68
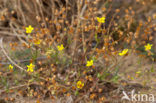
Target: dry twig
5, 53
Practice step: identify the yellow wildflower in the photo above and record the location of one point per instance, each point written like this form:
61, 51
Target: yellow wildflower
123, 52
148, 47
10, 67
80, 84
29, 29
37, 42
101, 20
138, 72
30, 67
60, 48
50, 52
89, 63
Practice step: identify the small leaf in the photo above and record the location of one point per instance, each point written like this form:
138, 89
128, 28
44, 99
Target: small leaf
152, 69
98, 75
76, 92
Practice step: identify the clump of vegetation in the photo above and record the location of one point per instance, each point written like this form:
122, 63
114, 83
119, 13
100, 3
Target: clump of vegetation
73, 49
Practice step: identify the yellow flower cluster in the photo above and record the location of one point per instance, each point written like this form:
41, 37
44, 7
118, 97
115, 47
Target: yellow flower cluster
37, 42
89, 63
29, 29
101, 20
123, 52
50, 52
80, 84
148, 47
60, 47
30, 67
10, 67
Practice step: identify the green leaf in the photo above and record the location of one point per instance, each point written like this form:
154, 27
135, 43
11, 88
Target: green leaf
152, 69
98, 75
76, 92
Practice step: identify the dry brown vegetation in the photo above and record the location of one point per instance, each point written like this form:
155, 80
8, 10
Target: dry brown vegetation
70, 56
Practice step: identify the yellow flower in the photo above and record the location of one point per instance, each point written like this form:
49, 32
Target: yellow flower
101, 20
30, 67
50, 52
37, 42
148, 47
29, 29
80, 84
123, 52
60, 48
138, 72
89, 63
10, 67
